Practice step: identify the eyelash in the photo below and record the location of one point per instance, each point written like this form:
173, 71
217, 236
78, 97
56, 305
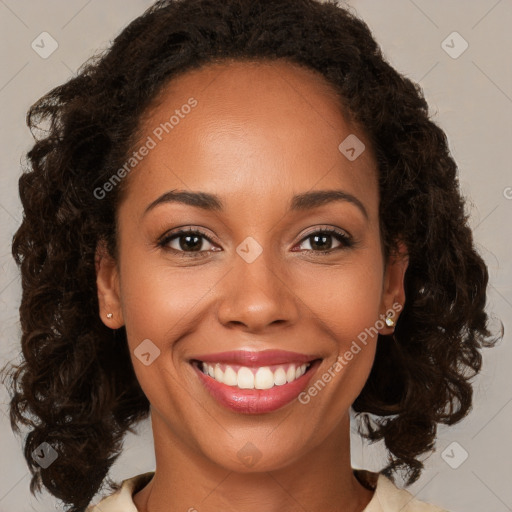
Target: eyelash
345, 240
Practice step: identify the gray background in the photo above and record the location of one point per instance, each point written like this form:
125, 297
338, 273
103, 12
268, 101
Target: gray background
469, 96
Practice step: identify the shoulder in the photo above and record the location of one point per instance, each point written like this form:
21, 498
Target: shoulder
386, 498
390, 498
122, 499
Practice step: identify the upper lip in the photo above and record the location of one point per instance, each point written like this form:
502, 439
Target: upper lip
256, 358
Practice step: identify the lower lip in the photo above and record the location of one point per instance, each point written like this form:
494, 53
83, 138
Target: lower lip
256, 401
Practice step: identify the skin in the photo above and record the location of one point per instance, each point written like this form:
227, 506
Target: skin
261, 132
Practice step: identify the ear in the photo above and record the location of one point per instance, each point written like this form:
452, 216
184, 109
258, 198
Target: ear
107, 283
393, 292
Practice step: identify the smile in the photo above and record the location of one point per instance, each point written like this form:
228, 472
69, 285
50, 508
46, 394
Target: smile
255, 382
264, 377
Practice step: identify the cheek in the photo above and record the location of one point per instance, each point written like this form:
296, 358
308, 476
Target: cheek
159, 302
345, 302
162, 305
345, 299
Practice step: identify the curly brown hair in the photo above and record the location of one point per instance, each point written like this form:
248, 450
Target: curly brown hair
75, 386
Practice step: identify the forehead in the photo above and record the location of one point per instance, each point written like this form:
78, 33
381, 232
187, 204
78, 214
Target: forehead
250, 127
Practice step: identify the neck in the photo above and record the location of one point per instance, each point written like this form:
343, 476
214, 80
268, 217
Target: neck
322, 479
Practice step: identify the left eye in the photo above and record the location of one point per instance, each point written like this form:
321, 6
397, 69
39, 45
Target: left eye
322, 240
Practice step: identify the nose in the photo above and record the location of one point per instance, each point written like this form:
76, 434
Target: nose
257, 295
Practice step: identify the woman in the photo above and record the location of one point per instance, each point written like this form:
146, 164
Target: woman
242, 223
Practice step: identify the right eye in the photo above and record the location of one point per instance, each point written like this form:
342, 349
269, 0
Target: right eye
187, 243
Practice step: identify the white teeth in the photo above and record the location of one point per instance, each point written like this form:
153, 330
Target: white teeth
279, 377
247, 378
230, 377
264, 378
218, 373
301, 370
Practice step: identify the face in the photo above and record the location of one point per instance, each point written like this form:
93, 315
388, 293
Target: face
260, 276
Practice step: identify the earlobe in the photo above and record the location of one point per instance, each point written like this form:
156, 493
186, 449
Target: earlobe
393, 293
107, 284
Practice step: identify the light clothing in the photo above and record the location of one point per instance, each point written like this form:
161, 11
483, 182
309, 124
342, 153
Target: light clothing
386, 498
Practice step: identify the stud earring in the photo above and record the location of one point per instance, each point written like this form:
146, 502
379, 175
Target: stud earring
389, 321
109, 315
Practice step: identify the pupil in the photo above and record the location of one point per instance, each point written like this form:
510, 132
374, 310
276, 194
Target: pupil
319, 246
190, 245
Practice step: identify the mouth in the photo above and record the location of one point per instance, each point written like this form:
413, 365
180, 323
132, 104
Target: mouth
246, 377
255, 382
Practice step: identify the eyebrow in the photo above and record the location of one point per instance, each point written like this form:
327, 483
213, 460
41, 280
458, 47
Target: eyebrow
300, 202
